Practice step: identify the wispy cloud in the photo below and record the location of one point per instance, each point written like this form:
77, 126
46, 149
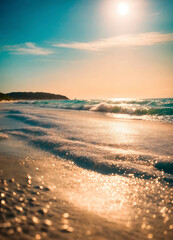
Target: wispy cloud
27, 48
156, 14
142, 39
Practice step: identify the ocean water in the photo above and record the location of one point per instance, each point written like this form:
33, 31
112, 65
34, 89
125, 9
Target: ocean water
149, 109
107, 162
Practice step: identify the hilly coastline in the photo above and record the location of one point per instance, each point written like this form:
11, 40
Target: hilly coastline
31, 96
5, 97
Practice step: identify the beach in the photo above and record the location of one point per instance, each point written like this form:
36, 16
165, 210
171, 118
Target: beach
72, 173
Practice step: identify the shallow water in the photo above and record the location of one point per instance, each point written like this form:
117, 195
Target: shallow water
120, 171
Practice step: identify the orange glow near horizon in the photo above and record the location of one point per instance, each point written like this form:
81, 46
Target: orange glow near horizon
129, 74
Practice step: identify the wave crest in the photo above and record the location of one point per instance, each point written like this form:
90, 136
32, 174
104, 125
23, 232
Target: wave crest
154, 109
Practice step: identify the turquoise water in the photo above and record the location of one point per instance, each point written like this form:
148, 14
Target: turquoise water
149, 109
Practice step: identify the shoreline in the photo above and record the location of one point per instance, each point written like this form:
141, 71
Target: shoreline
112, 110
59, 161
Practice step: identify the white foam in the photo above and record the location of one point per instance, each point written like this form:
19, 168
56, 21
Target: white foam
3, 136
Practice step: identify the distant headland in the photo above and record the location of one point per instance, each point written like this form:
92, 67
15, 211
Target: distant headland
31, 96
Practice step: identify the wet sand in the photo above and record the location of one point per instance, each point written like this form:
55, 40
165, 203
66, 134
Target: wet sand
32, 209
29, 210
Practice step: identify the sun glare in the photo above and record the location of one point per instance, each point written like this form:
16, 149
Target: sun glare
123, 8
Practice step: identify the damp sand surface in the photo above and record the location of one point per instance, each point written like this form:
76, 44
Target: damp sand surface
32, 209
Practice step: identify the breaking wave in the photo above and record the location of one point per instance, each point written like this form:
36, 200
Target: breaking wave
3, 136
149, 109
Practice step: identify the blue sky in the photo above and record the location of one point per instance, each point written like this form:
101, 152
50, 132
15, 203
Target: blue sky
63, 45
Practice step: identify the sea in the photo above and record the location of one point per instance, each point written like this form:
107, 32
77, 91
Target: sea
110, 158
160, 109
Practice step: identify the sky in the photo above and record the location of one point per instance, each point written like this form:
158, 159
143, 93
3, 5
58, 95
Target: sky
87, 48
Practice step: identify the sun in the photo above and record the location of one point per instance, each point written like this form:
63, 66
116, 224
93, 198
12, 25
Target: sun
123, 8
